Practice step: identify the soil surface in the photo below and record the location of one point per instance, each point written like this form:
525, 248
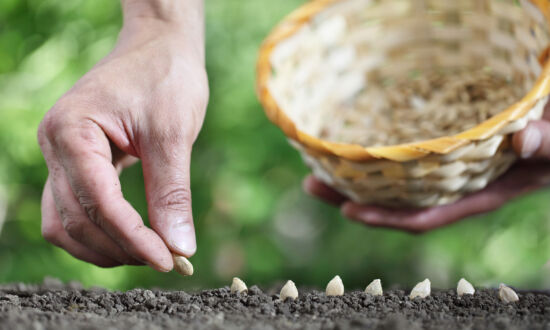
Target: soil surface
57, 306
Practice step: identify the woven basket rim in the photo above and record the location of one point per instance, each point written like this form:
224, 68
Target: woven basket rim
401, 152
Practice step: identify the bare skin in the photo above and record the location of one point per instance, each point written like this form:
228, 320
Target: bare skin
532, 144
145, 100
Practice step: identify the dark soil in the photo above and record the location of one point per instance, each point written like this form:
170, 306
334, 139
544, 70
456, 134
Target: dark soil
57, 306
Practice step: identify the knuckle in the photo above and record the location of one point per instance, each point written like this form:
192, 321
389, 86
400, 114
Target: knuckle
174, 133
56, 120
49, 128
75, 228
91, 206
168, 141
76, 138
92, 209
197, 118
86, 131
201, 92
177, 128
41, 135
171, 132
176, 198
50, 233
62, 126
50, 123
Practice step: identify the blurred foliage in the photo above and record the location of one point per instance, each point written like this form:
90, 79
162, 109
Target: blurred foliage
252, 218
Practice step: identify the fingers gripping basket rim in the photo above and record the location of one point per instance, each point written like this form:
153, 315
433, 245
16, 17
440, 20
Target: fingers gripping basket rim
402, 152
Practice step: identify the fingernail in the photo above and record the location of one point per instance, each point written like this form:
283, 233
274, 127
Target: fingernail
182, 238
531, 142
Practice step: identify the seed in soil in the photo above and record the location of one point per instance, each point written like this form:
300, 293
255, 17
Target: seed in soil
421, 290
464, 287
238, 286
506, 294
182, 265
58, 307
374, 288
335, 287
289, 291
53, 306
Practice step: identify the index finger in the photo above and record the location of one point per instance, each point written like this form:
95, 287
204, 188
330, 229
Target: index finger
85, 153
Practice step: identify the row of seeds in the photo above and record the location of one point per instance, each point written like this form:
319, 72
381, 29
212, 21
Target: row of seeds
421, 290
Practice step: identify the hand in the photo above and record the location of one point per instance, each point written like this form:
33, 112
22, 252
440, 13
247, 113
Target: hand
145, 100
533, 172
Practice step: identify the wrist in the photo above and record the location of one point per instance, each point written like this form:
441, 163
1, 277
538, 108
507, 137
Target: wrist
167, 11
181, 21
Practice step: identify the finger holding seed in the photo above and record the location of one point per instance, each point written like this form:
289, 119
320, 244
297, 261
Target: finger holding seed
335, 287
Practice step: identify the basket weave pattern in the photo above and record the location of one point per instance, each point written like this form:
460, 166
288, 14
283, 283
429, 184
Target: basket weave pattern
325, 53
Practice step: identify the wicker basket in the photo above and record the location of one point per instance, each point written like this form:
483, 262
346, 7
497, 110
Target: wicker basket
323, 54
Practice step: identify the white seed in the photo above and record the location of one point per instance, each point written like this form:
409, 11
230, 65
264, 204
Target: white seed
464, 287
289, 290
421, 290
238, 286
506, 294
335, 287
374, 288
182, 265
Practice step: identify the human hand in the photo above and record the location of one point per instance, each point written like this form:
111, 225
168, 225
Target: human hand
532, 144
146, 100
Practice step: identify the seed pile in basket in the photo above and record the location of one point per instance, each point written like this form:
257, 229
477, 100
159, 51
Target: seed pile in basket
428, 106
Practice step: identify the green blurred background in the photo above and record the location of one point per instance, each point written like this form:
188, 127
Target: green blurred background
252, 218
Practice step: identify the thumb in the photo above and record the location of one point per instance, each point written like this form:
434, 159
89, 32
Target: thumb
166, 171
533, 140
